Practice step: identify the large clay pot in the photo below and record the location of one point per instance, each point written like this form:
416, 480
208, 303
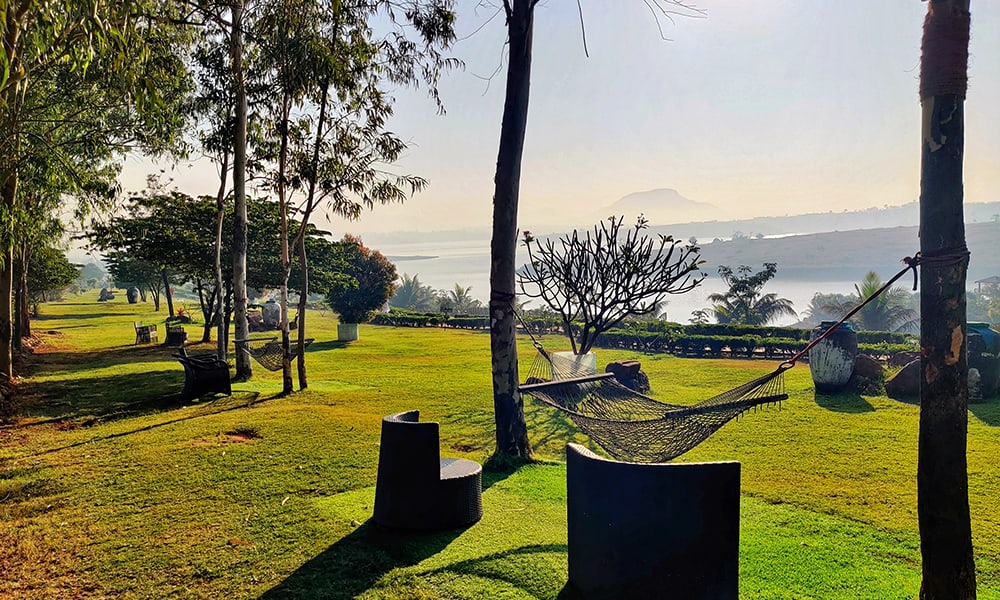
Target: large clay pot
579, 364
347, 332
831, 361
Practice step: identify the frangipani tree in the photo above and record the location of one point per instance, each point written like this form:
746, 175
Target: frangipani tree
595, 280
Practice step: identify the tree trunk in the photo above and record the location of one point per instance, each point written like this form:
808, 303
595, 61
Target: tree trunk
221, 349
7, 274
168, 293
22, 323
243, 368
286, 263
508, 406
301, 314
156, 297
942, 473
300, 238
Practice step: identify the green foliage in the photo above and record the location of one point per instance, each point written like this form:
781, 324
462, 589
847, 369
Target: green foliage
370, 285
744, 301
413, 295
49, 271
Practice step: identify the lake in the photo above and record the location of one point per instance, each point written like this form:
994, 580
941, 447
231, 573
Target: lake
467, 263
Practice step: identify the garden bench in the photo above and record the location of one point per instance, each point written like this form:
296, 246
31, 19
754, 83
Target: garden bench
416, 488
204, 374
652, 530
144, 334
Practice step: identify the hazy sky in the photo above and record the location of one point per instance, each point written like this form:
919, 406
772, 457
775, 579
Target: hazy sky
766, 107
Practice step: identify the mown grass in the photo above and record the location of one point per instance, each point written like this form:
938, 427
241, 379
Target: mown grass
112, 487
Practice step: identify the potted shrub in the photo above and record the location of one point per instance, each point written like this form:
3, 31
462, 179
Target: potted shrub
365, 288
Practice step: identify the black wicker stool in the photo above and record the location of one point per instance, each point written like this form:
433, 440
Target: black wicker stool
416, 488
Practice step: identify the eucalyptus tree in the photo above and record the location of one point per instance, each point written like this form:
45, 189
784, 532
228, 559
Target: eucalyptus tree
948, 566
332, 145
76, 79
214, 107
508, 407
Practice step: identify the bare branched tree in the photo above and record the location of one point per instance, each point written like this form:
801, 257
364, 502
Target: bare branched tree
607, 274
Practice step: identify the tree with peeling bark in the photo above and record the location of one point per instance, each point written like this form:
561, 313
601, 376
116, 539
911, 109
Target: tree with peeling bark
75, 81
942, 471
508, 406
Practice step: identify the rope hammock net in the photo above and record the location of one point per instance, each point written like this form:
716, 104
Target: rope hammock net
267, 351
633, 427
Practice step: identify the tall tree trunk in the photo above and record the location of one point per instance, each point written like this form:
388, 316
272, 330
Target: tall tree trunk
155, 292
243, 368
301, 314
942, 472
9, 193
221, 349
22, 311
508, 406
168, 293
300, 237
286, 263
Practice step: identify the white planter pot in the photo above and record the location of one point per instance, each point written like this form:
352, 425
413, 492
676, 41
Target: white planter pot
347, 332
583, 364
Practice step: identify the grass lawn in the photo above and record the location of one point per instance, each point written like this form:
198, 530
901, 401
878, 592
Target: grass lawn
110, 486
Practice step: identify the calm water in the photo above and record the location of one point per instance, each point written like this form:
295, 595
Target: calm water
468, 264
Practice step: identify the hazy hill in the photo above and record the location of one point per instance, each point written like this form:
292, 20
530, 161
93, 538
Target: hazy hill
662, 205
872, 218
848, 255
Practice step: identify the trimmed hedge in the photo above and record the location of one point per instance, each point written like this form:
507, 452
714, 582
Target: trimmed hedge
664, 337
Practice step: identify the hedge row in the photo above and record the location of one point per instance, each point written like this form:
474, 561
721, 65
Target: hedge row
673, 338
719, 345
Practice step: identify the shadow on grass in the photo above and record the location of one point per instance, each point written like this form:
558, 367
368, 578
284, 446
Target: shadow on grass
123, 395
847, 402
327, 345
76, 317
212, 407
987, 411
61, 360
550, 426
358, 561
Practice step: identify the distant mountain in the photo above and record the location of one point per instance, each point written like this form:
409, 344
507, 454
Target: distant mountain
873, 218
663, 205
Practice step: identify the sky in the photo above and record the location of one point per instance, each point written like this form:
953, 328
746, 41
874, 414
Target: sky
764, 108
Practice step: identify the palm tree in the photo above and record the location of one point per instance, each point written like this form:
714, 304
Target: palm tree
890, 311
743, 303
459, 299
413, 295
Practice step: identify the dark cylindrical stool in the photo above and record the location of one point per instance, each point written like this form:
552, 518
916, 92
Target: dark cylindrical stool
831, 361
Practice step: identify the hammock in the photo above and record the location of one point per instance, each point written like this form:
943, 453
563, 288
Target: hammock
633, 427
267, 351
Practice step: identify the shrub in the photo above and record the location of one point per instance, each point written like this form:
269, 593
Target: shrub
368, 286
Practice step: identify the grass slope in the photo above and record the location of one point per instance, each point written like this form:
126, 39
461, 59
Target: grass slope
112, 487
